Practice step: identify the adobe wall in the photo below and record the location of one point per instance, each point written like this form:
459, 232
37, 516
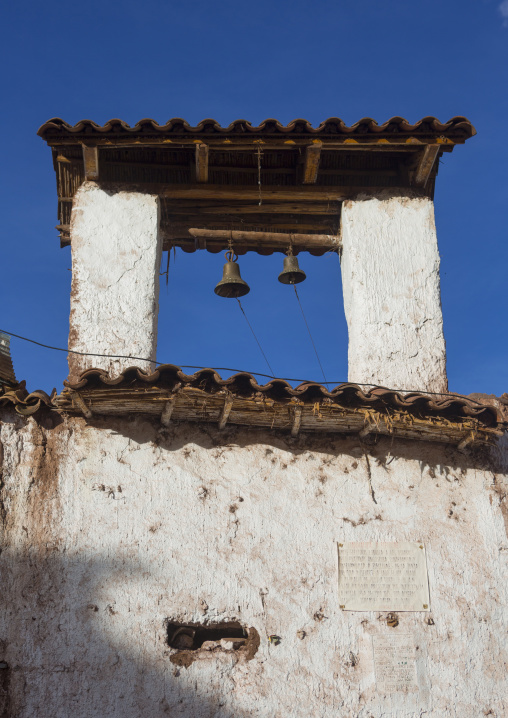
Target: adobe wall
112, 528
390, 280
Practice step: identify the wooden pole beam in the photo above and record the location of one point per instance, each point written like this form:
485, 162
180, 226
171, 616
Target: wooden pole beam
312, 157
426, 164
202, 162
272, 239
91, 162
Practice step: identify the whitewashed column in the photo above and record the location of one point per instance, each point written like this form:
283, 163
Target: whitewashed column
390, 278
116, 252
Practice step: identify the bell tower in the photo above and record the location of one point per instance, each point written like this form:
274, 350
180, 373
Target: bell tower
366, 191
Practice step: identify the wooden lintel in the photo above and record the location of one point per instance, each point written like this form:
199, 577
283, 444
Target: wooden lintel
271, 193
312, 157
322, 194
167, 411
202, 162
82, 406
226, 410
272, 239
426, 164
245, 208
91, 162
296, 412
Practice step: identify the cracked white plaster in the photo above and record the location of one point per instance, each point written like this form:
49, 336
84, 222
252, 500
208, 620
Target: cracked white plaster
106, 533
116, 252
390, 278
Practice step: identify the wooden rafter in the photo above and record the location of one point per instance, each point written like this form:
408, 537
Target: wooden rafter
202, 162
226, 410
167, 411
312, 158
91, 162
296, 412
426, 164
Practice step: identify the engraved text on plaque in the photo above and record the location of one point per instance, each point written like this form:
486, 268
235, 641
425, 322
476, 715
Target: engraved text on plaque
383, 576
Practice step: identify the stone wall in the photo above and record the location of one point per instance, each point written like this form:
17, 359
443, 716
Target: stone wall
113, 528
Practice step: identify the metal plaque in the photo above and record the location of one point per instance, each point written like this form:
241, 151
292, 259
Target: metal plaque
383, 576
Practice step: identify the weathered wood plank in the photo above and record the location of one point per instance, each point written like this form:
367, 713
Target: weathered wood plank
168, 410
228, 405
91, 162
209, 207
296, 412
201, 162
426, 164
280, 239
312, 158
248, 143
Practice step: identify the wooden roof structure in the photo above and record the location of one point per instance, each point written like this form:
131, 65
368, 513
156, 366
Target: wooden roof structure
170, 395
263, 187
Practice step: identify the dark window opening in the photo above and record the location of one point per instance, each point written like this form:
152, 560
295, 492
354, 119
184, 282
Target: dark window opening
191, 636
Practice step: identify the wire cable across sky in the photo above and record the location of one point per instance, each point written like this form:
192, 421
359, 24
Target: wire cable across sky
236, 371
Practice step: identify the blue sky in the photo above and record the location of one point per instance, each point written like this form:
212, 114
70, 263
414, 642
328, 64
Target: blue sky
230, 60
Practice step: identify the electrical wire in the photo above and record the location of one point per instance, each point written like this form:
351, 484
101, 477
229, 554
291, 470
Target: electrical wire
310, 335
237, 371
257, 340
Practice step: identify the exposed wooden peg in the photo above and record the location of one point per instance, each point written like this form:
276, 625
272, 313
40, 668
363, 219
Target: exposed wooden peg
226, 410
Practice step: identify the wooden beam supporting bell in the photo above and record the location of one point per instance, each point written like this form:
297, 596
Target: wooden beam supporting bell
231, 285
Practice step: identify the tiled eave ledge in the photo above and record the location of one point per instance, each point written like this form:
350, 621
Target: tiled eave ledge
291, 416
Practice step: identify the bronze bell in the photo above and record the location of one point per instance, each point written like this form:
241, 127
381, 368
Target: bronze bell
231, 285
291, 274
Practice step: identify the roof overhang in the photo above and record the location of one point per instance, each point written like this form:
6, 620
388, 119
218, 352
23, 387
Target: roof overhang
263, 187
170, 395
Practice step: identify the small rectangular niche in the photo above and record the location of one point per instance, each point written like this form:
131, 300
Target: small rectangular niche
192, 636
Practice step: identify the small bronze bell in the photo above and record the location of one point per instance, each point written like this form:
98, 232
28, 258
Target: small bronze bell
231, 285
291, 274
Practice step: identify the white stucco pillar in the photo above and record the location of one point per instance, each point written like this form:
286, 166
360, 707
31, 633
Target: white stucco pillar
390, 277
116, 252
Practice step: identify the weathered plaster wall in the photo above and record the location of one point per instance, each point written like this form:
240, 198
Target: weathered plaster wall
116, 253
390, 279
112, 528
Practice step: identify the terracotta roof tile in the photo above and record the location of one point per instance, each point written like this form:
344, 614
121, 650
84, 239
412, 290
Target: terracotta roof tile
244, 385
333, 126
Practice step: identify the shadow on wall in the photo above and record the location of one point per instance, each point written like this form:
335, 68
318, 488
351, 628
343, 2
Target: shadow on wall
67, 649
381, 450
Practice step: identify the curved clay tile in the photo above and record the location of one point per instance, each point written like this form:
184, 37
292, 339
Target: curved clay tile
333, 125
346, 394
